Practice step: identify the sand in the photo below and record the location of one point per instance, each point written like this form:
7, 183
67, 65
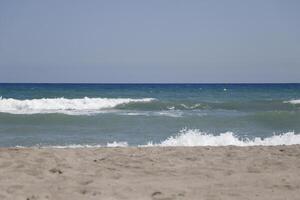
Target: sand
151, 173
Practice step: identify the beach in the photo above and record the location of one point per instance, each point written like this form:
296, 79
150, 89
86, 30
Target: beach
259, 172
149, 100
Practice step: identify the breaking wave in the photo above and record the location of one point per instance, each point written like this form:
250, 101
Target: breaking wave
62, 105
296, 101
194, 137
86, 106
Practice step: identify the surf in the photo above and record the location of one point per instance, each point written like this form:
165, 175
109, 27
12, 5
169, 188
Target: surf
195, 137
63, 105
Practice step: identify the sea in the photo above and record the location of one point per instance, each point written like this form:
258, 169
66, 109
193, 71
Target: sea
145, 115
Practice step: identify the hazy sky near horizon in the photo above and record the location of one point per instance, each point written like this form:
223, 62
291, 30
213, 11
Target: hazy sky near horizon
149, 41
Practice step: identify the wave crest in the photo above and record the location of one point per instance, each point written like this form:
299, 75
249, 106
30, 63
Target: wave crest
63, 105
194, 137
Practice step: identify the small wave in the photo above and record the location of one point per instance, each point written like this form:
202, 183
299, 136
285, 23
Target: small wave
195, 106
167, 113
164, 105
62, 105
296, 101
194, 137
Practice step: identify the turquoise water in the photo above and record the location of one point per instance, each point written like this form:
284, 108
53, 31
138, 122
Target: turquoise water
136, 114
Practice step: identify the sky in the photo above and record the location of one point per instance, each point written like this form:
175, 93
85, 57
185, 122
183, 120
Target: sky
159, 41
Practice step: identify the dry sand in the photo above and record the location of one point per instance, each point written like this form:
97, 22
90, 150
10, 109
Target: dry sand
151, 173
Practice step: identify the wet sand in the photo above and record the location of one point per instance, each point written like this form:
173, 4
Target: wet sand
151, 173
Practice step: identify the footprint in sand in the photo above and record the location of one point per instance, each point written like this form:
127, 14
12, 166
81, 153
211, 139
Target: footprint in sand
55, 170
160, 196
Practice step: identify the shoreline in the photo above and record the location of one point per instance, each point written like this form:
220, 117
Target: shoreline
227, 172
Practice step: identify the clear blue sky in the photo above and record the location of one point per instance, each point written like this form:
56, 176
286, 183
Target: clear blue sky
149, 41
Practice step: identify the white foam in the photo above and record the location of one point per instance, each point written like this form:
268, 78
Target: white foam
169, 113
191, 107
296, 101
194, 137
117, 144
172, 113
171, 108
62, 105
185, 106
195, 106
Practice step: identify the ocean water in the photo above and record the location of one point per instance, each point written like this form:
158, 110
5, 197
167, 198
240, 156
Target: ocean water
87, 115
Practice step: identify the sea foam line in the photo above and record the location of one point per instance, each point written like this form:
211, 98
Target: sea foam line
75, 146
63, 105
